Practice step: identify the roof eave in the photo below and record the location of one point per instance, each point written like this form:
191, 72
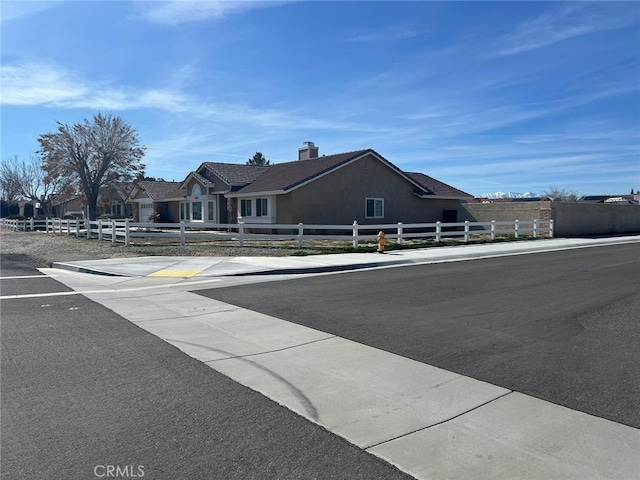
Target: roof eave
443, 197
255, 194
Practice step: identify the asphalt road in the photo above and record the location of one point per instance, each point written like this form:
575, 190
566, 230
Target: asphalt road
84, 390
561, 326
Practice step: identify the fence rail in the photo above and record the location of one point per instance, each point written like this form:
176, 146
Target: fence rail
124, 231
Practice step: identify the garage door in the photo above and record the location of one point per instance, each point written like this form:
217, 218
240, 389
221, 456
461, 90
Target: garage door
146, 210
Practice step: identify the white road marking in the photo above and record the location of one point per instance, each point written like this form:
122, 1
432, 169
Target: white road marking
109, 290
16, 277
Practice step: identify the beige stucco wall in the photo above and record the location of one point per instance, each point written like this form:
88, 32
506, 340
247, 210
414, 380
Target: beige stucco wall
339, 198
570, 218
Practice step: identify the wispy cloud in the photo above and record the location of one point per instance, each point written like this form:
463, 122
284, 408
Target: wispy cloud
36, 84
185, 11
565, 22
384, 34
55, 87
52, 86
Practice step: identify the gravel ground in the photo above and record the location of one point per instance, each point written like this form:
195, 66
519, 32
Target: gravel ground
48, 248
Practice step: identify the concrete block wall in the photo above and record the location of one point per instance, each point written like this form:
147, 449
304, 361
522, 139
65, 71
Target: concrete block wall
576, 218
571, 219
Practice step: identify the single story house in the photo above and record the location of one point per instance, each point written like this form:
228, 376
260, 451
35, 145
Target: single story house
326, 190
151, 198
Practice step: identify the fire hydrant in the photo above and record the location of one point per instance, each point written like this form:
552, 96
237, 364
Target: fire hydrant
381, 242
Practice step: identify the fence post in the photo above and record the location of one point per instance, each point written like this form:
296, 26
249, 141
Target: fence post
68, 227
99, 229
113, 231
87, 223
77, 227
493, 229
182, 234
516, 228
551, 228
466, 231
438, 231
355, 234
126, 232
31, 225
535, 228
241, 234
399, 233
301, 235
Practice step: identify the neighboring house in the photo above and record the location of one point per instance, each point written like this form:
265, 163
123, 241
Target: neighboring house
66, 205
621, 199
338, 189
114, 200
325, 190
150, 198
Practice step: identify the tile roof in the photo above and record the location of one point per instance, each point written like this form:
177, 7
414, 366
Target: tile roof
287, 175
236, 174
436, 187
204, 181
158, 190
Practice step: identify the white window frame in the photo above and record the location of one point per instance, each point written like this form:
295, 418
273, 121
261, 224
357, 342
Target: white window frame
377, 205
199, 210
185, 211
211, 211
246, 205
262, 207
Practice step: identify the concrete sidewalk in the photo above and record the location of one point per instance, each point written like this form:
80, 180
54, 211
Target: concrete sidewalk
429, 422
186, 267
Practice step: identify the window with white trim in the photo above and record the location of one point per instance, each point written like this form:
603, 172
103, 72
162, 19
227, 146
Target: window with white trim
262, 207
374, 208
196, 211
245, 208
185, 211
211, 211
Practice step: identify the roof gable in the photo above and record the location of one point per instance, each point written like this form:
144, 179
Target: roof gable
205, 182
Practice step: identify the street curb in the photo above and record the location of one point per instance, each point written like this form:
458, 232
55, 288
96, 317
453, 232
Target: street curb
79, 269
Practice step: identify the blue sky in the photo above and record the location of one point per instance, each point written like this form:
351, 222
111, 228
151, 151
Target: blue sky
486, 96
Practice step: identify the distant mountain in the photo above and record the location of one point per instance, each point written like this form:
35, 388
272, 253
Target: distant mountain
509, 195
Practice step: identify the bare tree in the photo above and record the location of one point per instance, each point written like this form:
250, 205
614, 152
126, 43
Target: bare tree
39, 187
561, 194
10, 179
92, 155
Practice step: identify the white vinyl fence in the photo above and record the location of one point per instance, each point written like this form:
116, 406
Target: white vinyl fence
124, 231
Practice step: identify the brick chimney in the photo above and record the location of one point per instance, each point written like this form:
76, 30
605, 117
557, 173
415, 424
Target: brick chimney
307, 151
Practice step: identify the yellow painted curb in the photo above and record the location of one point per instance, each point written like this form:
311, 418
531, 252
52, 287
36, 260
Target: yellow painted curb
175, 273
